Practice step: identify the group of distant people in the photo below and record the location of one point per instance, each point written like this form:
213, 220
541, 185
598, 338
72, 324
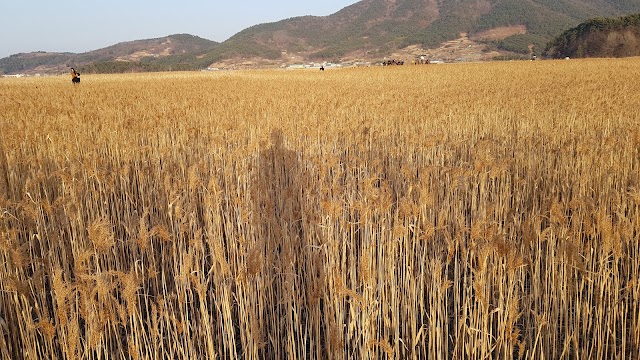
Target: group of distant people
401, 62
393, 62
421, 62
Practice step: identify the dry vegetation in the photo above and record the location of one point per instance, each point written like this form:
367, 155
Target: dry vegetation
419, 212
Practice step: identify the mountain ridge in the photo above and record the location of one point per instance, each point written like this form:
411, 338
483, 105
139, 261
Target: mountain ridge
367, 30
130, 54
372, 29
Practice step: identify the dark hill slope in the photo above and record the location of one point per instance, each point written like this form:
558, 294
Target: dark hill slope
599, 37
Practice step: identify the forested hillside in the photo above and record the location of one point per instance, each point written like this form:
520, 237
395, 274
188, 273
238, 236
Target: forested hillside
599, 37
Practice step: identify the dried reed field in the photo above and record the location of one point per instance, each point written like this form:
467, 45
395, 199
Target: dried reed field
466, 211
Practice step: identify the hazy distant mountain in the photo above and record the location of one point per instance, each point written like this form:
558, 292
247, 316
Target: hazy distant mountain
600, 37
181, 50
369, 29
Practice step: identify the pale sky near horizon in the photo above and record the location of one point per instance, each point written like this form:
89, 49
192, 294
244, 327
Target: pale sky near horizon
81, 26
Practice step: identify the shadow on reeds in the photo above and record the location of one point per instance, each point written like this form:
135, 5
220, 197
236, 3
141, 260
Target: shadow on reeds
4, 172
276, 195
290, 314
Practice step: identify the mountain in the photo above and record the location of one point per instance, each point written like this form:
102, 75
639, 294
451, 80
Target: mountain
376, 28
367, 30
179, 51
599, 37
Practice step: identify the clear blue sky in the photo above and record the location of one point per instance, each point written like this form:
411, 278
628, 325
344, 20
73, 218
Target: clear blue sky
80, 26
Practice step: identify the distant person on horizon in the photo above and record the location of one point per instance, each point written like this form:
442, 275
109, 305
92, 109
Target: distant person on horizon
75, 76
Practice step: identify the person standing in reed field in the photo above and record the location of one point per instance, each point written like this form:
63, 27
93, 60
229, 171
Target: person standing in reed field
75, 76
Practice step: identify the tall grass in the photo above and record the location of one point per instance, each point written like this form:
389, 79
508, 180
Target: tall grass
457, 211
